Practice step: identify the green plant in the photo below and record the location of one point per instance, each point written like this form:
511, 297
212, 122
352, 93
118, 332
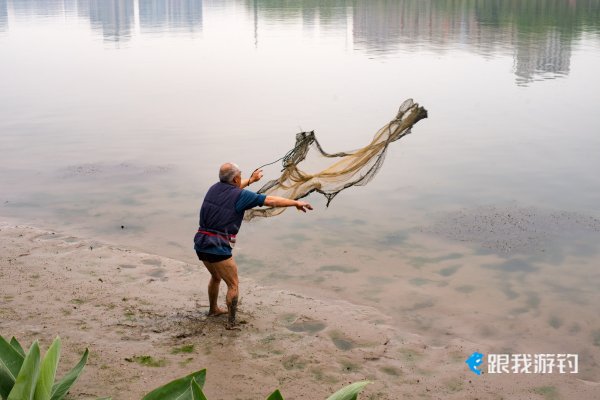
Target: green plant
26, 376
349, 392
190, 388
148, 361
188, 348
276, 395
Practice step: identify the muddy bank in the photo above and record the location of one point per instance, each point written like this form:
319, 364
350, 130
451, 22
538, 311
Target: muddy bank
507, 230
143, 318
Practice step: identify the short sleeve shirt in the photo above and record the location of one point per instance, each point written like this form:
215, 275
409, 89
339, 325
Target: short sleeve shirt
248, 200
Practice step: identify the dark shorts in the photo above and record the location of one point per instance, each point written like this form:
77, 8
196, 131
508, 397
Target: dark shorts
212, 258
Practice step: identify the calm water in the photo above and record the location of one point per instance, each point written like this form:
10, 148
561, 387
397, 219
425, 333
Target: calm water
118, 113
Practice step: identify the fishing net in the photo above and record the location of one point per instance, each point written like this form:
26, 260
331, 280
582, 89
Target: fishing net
308, 168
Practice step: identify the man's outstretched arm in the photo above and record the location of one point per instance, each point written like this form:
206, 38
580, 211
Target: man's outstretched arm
255, 177
276, 201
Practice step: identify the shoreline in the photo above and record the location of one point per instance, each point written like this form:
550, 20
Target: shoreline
126, 304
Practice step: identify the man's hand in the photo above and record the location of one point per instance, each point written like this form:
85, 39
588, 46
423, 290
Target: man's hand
303, 206
255, 177
276, 201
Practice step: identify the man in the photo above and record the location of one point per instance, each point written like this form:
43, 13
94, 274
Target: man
221, 216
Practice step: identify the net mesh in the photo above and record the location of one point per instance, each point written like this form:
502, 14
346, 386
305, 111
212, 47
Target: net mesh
332, 173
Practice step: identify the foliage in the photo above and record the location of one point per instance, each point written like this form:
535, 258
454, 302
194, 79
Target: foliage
349, 392
148, 361
26, 376
190, 388
188, 348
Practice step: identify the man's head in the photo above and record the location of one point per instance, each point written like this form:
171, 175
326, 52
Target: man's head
230, 173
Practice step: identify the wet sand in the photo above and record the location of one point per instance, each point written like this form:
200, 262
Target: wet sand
505, 278
143, 318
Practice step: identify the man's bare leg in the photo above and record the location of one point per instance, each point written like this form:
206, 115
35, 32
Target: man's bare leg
213, 290
227, 270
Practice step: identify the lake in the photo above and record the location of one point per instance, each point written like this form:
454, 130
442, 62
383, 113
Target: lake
482, 224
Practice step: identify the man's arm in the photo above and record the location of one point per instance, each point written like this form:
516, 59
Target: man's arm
276, 201
256, 175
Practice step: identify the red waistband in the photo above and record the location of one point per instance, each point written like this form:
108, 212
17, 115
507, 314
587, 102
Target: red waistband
228, 237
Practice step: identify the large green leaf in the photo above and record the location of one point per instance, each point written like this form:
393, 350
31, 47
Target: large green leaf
17, 346
61, 388
193, 392
10, 359
176, 388
349, 392
6, 384
276, 395
43, 389
197, 393
187, 395
28, 375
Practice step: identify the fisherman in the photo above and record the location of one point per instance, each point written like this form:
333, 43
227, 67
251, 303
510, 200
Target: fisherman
221, 216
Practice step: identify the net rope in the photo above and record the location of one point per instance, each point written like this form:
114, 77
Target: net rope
334, 172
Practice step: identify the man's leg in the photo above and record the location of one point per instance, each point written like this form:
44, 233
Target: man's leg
227, 270
213, 290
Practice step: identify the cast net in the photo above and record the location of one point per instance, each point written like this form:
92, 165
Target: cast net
308, 168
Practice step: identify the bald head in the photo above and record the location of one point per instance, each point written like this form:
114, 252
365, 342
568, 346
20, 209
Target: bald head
228, 172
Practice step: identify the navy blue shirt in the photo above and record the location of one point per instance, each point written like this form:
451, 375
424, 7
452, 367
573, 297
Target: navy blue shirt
246, 201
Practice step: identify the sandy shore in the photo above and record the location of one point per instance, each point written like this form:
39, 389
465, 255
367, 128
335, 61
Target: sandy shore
124, 305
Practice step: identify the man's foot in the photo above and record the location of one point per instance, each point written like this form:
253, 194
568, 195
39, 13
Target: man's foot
232, 326
215, 313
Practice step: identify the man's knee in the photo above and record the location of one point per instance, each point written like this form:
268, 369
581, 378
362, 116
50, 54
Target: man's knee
233, 284
228, 272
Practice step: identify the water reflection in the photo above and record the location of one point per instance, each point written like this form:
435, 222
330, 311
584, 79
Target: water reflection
42, 8
332, 14
170, 15
539, 34
386, 27
3, 15
542, 56
114, 19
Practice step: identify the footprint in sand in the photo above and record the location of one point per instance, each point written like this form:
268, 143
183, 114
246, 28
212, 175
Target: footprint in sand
294, 362
152, 261
157, 273
305, 324
342, 342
